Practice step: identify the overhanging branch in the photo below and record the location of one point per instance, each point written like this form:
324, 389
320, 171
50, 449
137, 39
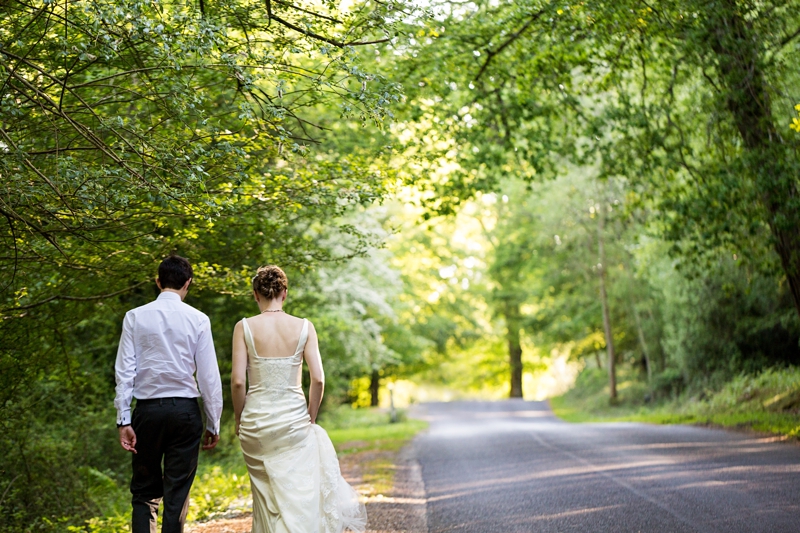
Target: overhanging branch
338, 44
490, 54
313, 13
75, 298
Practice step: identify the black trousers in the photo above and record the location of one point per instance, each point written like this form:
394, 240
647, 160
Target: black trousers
167, 429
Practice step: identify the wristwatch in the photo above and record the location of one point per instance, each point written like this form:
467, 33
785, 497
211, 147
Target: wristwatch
122, 425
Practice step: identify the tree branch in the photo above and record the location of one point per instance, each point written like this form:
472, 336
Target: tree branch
30, 165
298, 8
75, 298
338, 44
8, 487
85, 132
10, 221
490, 54
786, 40
9, 212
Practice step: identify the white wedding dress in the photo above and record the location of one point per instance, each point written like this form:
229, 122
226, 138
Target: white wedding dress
294, 472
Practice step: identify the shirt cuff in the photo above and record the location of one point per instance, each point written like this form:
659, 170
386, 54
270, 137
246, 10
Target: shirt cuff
124, 417
213, 428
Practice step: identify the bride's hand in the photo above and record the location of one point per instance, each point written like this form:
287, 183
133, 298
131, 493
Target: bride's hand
238, 423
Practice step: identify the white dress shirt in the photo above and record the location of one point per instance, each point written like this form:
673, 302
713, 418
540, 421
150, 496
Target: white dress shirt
163, 345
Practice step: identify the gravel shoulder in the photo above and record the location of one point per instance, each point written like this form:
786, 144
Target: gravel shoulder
403, 510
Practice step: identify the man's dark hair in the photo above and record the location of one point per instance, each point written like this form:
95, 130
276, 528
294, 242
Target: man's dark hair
173, 272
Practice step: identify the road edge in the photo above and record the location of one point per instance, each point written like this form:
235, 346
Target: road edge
404, 509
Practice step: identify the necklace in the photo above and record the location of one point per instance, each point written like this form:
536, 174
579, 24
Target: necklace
272, 311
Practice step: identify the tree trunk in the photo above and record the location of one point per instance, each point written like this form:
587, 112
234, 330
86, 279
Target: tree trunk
512, 317
612, 372
643, 344
741, 73
374, 388
661, 363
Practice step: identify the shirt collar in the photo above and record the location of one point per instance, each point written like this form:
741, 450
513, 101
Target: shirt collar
166, 295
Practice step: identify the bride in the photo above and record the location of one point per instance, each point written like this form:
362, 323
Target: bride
294, 472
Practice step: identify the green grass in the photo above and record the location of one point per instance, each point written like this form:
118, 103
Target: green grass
768, 402
353, 430
221, 487
392, 437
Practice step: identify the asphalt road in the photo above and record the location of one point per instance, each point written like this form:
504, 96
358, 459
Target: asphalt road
512, 466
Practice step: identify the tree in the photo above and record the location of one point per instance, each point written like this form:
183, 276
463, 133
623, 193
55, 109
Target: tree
130, 130
681, 98
129, 127
511, 261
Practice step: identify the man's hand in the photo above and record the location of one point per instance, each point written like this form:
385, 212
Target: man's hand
127, 438
209, 440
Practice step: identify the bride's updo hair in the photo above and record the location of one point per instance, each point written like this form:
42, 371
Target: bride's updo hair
270, 281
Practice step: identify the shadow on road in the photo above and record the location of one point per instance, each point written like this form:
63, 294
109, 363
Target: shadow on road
513, 466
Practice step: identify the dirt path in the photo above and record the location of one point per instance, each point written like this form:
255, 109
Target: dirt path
390, 509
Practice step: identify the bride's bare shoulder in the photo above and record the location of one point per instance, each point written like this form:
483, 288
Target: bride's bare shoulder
293, 319
284, 318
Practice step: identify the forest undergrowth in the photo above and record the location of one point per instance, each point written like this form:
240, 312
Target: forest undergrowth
764, 402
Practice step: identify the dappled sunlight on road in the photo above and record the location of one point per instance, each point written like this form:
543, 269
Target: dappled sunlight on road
513, 466
492, 415
575, 512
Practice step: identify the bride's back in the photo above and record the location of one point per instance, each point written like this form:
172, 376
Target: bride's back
275, 334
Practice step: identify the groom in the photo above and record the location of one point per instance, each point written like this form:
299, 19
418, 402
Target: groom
163, 345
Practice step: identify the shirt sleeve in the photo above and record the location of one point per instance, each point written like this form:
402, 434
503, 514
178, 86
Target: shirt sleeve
125, 371
208, 379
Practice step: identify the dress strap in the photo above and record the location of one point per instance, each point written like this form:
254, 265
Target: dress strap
301, 342
248, 338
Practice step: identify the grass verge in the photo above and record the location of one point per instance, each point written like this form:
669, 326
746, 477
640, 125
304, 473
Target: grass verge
354, 430
768, 402
366, 437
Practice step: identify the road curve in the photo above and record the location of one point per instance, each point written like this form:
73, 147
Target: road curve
512, 466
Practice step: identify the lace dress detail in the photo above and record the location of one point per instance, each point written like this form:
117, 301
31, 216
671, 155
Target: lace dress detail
276, 380
294, 472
